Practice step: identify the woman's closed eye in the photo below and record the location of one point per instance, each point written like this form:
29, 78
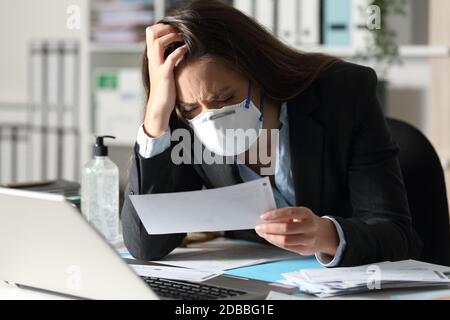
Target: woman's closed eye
189, 112
224, 100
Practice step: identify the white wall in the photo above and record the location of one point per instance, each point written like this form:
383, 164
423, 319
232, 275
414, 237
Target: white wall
20, 22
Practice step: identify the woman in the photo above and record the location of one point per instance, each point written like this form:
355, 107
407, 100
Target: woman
337, 183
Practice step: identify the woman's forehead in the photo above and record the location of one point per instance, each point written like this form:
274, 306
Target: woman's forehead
204, 70
202, 79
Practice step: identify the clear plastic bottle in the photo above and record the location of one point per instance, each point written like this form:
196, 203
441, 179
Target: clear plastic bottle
100, 192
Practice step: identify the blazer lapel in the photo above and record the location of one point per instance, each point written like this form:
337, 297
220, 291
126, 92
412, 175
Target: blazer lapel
217, 175
213, 175
306, 143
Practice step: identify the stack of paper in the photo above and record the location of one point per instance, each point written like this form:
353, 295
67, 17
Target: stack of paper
121, 21
386, 275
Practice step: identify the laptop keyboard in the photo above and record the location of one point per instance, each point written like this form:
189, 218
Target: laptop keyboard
184, 290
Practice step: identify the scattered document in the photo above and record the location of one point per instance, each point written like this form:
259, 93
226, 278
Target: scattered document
339, 281
235, 207
328, 275
419, 265
173, 273
223, 254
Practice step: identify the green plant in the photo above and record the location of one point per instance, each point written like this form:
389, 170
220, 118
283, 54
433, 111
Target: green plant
381, 44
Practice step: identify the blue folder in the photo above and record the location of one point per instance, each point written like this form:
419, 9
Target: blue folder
272, 271
336, 21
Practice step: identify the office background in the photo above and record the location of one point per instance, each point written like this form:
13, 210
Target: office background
62, 82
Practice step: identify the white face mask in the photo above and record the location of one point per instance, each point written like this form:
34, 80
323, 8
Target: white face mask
230, 130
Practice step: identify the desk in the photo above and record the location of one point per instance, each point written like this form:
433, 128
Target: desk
268, 271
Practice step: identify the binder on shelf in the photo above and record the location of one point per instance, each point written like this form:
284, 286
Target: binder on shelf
121, 21
52, 115
308, 22
245, 6
53, 111
265, 14
69, 155
336, 22
288, 21
12, 152
263, 11
20, 150
37, 95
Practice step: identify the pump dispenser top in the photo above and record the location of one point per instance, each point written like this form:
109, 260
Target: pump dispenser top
99, 149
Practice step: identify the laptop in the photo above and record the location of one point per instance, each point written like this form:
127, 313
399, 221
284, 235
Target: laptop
46, 244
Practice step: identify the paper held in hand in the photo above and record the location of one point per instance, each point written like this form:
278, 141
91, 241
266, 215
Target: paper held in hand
236, 207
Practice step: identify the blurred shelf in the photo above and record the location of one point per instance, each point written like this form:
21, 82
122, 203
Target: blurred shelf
410, 51
424, 51
137, 48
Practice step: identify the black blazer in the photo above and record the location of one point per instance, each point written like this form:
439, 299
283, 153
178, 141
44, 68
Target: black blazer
344, 165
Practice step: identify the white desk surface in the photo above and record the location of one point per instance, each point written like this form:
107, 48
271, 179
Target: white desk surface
8, 292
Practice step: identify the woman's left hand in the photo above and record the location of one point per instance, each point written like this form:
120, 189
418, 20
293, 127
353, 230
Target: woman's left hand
299, 230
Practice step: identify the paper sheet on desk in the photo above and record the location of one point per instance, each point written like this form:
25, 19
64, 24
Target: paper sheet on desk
236, 207
224, 254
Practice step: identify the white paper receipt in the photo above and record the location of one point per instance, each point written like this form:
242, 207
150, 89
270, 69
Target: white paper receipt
236, 207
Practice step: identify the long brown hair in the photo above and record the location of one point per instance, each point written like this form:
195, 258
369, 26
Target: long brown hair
211, 28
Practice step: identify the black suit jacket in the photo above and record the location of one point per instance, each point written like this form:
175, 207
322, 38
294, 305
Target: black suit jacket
344, 165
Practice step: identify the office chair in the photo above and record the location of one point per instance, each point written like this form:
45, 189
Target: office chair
425, 187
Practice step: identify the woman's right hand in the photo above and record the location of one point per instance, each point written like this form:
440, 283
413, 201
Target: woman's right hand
162, 97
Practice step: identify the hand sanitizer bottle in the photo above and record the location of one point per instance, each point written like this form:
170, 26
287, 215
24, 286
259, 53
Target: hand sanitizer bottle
100, 191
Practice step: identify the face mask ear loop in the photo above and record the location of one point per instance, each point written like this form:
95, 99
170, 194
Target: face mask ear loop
249, 95
261, 106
